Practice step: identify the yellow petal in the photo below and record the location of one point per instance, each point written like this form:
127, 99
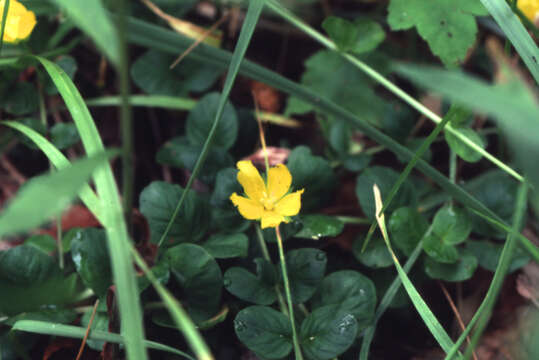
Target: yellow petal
530, 8
279, 181
27, 24
271, 219
290, 204
250, 179
248, 208
20, 21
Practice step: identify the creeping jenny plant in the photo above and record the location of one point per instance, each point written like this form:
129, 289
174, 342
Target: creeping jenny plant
20, 21
266, 201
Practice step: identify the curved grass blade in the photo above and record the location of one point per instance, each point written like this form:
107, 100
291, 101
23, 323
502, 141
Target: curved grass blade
391, 291
180, 317
45, 196
376, 76
59, 161
92, 18
516, 33
422, 308
118, 240
483, 312
4, 18
160, 101
154, 37
247, 30
70, 331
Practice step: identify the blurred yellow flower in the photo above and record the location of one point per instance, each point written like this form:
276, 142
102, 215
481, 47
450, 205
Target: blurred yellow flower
20, 21
266, 202
530, 8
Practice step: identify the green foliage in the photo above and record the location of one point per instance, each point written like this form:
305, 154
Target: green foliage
360, 36
225, 246
64, 135
375, 254
318, 226
259, 289
151, 73
407, 227
462, 150
306, 269
488, 255
448, 26
158, 201
462, 269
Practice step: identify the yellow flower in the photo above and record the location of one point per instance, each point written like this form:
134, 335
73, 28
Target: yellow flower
266, 202
530, 8
20, 21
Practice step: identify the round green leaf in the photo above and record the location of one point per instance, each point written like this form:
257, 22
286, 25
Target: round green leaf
488, 254
376, 255
151, 72
371, 34
352, 292
343, 32
225, 246
64, 135
438, 250
226, 183
461, 270
200, 121
497, 191
340, 137
327, 332
306, 269
463, 150
158, 202
26, 264
451, 225
312, 173
200, 278
265, 331
318, 226
385, 178
248, 287
356, 162
89, 252
407, 226
20, 99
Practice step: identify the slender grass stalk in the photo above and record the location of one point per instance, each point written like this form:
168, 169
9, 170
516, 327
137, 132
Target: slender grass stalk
380, 79
265, 253
126, 120
251, 19
295, 340
180, 317
482, 314
4, 18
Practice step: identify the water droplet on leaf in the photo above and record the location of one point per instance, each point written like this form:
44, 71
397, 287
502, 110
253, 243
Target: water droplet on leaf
239, 325
321, 256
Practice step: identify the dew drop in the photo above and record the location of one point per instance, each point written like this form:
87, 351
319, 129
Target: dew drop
361, 292
321, 256
227, 282
239, 325
314, 237
347, 321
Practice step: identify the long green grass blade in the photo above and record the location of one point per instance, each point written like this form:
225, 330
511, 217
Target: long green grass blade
160, 101
516, 33
154, 37
379, 78
118, 240
92, 18
180, 317
46, 196
421, 306
483, 312
247, 30
60, 162
3, 29
70, 331
391, 291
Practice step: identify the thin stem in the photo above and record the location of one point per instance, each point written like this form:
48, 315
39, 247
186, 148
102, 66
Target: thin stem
353, 220
452, 168
4, 18
380, 79
265, 253
125, 116
297, 349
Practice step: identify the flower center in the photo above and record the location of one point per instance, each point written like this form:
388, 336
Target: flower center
268, 202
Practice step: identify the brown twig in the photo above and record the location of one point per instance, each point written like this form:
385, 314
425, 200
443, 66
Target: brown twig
457, 314
87, 330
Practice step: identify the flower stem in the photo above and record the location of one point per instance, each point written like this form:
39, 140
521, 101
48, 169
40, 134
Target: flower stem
266, 255
297, 349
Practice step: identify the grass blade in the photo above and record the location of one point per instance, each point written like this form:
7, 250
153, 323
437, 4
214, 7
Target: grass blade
422, 308
45, 196
118, 240
155, 37
247, 30
376, 76
180, 317
4, 17
47, 328
59, 161
92, 18
483, 312
516, 33
391, 291
160, 101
